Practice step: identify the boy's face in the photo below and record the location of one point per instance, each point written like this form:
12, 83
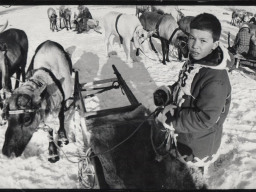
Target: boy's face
200, 43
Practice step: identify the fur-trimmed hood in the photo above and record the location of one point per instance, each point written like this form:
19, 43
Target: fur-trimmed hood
217, 59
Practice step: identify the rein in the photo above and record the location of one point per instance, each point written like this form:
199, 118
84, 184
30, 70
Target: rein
126, 139
146, 55
154, 113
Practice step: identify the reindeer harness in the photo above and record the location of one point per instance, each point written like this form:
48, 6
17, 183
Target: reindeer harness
120, 37
157, 30
39, 84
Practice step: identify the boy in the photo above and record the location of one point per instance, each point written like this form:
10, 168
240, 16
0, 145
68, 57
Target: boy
197, 105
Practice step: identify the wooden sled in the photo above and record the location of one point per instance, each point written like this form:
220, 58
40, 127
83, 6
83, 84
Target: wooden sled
117, 82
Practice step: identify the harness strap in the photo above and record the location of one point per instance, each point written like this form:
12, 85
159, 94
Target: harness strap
38, 84
56, 81
16, 112
157, 25
121, 38
174, 32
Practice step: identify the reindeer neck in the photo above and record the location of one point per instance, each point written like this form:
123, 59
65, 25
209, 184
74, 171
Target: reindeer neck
54, 96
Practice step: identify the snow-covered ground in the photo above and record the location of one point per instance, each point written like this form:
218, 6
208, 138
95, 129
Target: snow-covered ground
236, 162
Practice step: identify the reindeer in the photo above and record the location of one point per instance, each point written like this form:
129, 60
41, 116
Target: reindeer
167, 30
43, 94
65, 14
142, 9
127, 28
53, 19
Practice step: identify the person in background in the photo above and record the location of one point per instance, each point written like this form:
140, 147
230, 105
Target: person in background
242, 41
82, 19
196, 106
253, 20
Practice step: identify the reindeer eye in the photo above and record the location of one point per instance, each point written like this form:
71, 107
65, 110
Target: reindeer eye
27, 119
142, 35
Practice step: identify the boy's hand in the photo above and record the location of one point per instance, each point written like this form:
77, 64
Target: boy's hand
166, 116
161, 96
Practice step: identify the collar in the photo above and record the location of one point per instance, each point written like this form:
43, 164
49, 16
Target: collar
213, 59
217, 59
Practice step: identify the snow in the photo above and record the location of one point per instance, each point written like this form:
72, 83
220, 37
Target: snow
236, 159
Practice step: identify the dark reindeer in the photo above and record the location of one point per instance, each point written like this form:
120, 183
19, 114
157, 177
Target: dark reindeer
184, 25
142, 9
172, 10
167, 30
65, 15
53, 19
43, 94
13, 56
130, 151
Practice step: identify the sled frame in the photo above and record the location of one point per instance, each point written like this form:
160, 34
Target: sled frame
79, 88
239, 59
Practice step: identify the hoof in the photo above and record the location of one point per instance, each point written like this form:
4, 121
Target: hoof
63, 140
2, 123
137, 52
53, 159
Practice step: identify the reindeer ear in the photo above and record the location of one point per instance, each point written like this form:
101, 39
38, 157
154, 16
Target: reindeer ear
38, 92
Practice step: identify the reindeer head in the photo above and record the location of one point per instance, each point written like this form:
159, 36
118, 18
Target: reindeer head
24, 116
140, 35
182, 45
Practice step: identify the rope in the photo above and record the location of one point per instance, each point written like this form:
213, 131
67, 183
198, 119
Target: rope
97, 31
89, 170
146, 55
17, 79
85, 167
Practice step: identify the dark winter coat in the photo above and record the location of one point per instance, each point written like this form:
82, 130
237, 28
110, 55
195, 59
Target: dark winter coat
242, 41
203, 95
